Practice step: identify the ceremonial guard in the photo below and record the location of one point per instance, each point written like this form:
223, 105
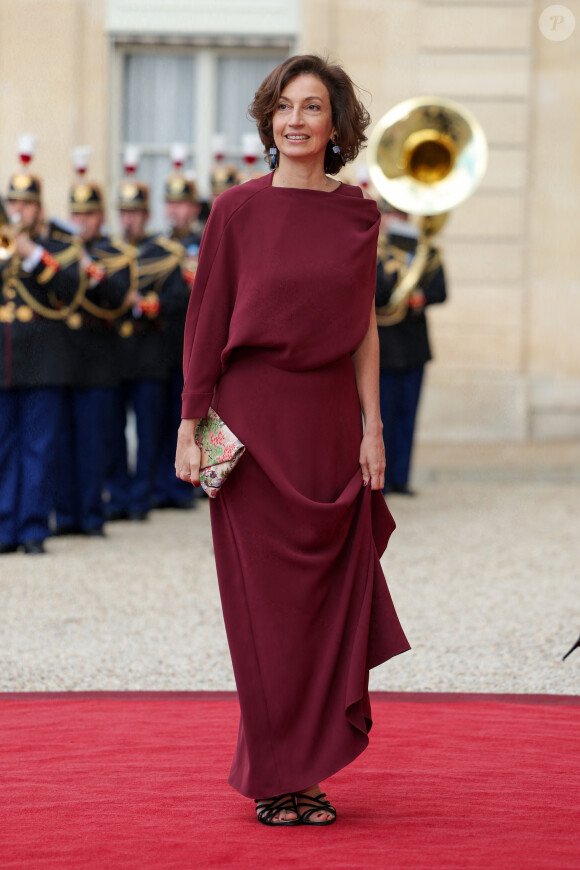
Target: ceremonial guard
182, 209
41, 287
222, 178
223, 175
404, 339
111, 275
143, 361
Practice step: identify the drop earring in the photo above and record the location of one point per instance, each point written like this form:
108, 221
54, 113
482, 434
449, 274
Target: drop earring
336, 149
273, 157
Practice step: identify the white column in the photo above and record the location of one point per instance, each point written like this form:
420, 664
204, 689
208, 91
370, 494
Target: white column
205, 115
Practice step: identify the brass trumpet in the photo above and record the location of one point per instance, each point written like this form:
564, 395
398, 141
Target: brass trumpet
425, 156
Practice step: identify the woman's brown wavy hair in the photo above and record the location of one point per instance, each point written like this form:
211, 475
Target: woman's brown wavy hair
349, 116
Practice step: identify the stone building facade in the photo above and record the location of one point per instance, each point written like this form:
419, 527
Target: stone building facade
99, 72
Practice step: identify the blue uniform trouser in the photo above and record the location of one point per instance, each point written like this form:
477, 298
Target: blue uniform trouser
81, 459
399, 393
169, 489
131, 489
29, 430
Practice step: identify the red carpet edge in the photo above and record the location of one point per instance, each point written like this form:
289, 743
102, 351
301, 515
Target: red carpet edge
394, 697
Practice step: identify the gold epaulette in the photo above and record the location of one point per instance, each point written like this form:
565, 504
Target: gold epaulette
170, 245
154, 270
61, 235
126, 256
60, 260
129, 250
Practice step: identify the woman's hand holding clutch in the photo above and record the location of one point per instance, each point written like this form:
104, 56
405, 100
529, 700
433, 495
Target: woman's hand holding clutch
188, 454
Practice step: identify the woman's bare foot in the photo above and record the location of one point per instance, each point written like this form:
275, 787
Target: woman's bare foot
277, 811
307, 809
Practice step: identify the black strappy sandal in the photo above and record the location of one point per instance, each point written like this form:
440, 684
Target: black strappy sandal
314, 804
267, 809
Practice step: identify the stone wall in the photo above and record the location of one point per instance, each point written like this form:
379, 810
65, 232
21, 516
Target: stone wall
553, 218
53, 70
507, 358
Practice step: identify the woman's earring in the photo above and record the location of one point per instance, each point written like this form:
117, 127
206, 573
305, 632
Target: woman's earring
273, 157
336, 149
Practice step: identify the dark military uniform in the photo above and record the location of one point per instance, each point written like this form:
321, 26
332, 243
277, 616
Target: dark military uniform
144, 369
35, 368
111, 270
170, 491
404, 350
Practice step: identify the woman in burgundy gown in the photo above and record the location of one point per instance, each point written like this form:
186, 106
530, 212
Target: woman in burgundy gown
281, 341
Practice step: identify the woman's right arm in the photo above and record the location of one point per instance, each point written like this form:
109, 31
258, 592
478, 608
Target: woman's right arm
206, 334
188, 454
209, 313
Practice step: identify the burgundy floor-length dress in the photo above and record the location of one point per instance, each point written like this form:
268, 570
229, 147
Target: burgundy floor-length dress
282, 297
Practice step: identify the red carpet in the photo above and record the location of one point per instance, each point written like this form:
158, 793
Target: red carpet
138, 781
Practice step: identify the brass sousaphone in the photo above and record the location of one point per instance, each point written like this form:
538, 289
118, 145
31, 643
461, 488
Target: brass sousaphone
425, 156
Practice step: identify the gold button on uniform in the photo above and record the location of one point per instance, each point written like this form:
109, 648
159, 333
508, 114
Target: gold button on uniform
24, 314
74, 321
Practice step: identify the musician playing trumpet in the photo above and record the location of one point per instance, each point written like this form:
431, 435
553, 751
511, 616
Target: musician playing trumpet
40, 285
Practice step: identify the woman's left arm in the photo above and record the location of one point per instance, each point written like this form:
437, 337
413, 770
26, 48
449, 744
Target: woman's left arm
366, 371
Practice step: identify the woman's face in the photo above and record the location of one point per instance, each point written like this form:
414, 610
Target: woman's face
302, 122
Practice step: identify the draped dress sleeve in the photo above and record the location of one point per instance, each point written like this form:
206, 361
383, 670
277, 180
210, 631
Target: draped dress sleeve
210, 308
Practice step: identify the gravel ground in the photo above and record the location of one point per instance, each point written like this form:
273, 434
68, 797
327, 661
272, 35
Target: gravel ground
483, 569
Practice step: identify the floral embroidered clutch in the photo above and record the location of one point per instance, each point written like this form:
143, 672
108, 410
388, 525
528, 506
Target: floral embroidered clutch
220, 452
